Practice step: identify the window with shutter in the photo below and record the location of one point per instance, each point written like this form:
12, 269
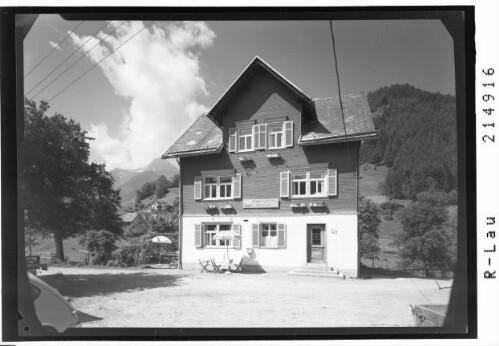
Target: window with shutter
288, 133
236, 241
237, 185
198, 188
232, 140
332, 182
260, 134
198, 236
284, 185
281, 235
256, 235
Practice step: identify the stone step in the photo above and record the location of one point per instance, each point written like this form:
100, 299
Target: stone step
324, 273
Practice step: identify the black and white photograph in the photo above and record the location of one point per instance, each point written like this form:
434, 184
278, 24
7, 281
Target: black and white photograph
247, 173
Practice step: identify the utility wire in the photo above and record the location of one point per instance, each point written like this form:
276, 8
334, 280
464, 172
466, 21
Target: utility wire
37, 84
121, 45
338, 77
53, 50
63, 72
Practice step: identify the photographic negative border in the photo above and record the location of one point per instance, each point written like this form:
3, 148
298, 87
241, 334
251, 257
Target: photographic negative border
462, 314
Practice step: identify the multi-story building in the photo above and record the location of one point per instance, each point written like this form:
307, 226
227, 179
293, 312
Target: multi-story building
277, 167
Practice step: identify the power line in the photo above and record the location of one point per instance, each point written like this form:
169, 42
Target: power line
121, 45
53, 50
63, 72
338, 77
37, 84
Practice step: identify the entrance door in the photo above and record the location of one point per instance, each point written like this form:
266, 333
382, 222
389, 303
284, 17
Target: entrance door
316, 244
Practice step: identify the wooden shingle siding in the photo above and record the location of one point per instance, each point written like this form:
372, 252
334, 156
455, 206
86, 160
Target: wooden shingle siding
261, 99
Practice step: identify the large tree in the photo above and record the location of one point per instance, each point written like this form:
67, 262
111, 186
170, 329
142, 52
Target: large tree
427, 238
62, 193
369, 223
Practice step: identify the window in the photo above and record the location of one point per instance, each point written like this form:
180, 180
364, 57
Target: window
218, 187
260, 132
245, 139
211, 230
210, 187
225, 187
308, 184
269, 235
317, 183
276, 134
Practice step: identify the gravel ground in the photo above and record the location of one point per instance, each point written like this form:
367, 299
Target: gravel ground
168, 298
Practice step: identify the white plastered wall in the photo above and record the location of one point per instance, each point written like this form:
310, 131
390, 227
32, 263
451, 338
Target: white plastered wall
341, 238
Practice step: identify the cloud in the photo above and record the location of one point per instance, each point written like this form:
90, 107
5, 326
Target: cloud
54, 45
158, 71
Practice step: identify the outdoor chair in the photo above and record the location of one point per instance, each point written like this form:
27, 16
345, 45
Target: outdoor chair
216, 267
238, 266
205, 264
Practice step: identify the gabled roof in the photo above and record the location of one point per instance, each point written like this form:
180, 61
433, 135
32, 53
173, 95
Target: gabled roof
329, 124
254, 65
202, 137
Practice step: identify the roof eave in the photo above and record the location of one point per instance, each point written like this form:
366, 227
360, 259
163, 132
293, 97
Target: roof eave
193, 153
339, 139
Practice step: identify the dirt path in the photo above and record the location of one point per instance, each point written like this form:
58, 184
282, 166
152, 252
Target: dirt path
170, 298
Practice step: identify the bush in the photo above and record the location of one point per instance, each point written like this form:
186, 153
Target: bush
100, 245
128, 255
388, 218
369, 226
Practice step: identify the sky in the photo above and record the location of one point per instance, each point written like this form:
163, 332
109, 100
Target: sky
162, 75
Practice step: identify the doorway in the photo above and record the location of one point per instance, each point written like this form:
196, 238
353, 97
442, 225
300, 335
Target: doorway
316, 243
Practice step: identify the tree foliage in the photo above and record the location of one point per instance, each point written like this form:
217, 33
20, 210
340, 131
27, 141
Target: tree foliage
162, 185
427, 238
100, 245
62, 193
369, 223
416, 139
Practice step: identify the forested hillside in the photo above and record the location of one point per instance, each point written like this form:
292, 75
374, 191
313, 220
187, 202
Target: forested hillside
417, 139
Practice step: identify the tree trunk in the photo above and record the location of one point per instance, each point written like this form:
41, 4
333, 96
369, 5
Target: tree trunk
59, 250
372, 265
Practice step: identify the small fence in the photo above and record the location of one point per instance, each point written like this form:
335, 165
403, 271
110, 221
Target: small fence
401, 272
45, 257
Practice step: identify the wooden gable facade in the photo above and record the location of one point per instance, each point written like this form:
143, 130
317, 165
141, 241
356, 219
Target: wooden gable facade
263, 100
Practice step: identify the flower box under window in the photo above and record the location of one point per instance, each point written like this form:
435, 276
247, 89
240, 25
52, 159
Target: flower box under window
244, 158
210, 206
317, 204
227, 206
273, 156
298, 205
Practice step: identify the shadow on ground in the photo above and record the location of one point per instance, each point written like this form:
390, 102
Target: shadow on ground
87, 285
83, 317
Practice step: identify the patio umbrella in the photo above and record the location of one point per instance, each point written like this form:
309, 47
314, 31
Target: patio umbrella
161, 239
226, 235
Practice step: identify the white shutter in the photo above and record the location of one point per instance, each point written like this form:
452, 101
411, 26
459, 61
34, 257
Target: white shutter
237, 186
198, 188
281, 235
332, 179
236, 241
198, 236
288, 133
232, 139
255, 230
284, 185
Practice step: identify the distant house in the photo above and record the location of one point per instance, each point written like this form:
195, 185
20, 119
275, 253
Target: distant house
278, 168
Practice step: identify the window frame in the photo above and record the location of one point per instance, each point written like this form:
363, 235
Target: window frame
217, 229
270, 133
261, 230
249, 136
217, 188
308, 185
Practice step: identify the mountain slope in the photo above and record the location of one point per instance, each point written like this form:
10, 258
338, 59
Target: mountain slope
128, 181
417, 139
